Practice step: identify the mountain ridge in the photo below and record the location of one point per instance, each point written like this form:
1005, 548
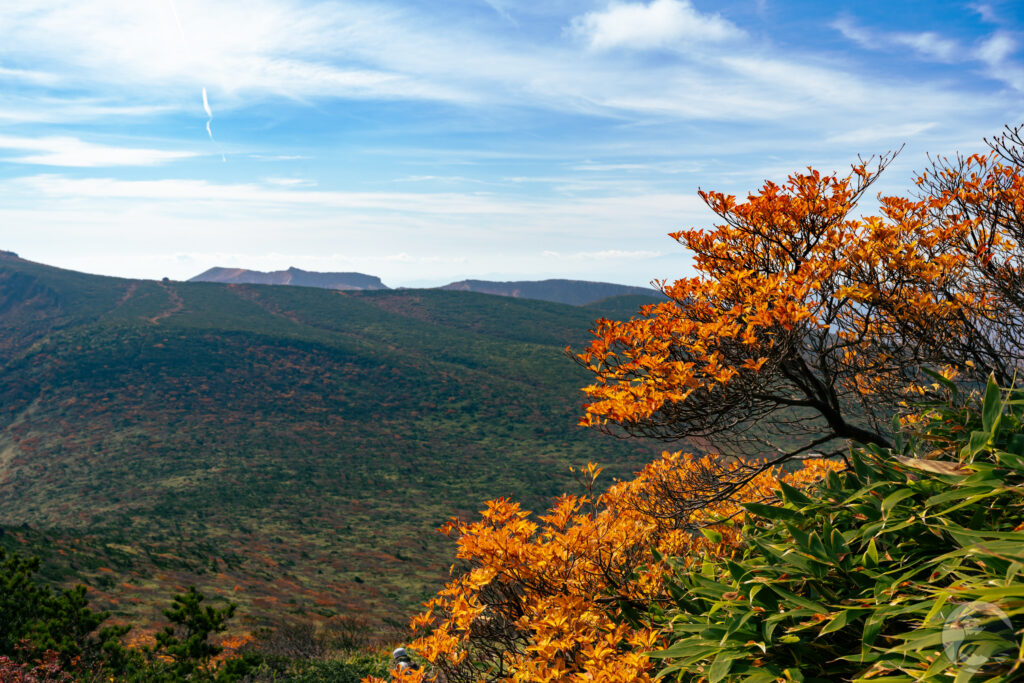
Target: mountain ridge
291, 276
293, 449
559, 290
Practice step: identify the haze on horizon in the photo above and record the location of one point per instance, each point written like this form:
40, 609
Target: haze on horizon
430, 142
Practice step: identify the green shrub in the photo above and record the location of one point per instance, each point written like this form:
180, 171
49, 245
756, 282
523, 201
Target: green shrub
872, 574
36, 622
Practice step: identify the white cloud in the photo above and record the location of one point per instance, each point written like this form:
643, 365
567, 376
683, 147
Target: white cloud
870, 134
437, 179
286, 48
49, 109
660, 24
856, 33
134, 226
986, 12
290, 182
358, 50
996, 49
929, 45
24, 75
252, 196
69, 151
604, 255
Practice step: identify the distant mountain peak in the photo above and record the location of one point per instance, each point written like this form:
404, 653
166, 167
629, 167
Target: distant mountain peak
292, 276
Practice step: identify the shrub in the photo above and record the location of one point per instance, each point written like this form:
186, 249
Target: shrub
869, 574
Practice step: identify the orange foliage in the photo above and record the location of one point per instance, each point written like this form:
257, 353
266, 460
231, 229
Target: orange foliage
797, 304
542, 600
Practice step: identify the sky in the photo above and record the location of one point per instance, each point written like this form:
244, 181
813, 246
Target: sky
431, 141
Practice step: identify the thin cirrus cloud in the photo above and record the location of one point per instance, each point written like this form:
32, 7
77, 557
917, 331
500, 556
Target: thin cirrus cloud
926, 44
287, 48
357, 51
72, 152
659, 24
604, 255
929, 44
996, 49
993, 49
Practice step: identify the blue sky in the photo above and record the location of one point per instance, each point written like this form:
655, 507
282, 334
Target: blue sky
426, 142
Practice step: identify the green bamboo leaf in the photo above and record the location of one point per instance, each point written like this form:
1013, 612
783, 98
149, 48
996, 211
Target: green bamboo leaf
815, 607
1014, 459
935, 609
721, 666
959, 494
837, 622
772, 512
793, 495
872, 627
760, 677
712, 535
871, 554
976, 444
794, 675
893, 499
991, 407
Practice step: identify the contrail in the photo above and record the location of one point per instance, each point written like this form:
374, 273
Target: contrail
209, 115
206, 100
209, 121
181, 31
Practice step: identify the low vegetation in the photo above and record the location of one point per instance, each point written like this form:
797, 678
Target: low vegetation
263, 443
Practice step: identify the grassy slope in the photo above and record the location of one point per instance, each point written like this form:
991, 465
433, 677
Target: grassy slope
292, 448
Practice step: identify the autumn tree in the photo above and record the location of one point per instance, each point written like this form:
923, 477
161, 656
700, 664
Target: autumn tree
806, 328
967, 223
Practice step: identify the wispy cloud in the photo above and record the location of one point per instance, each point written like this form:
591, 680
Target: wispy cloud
53, 109
996, 48
873, 134
69, 151
927, 44
362, 51
671, 24
993, 50
290, 182
604, 255
439, 227
986, 12
29, 76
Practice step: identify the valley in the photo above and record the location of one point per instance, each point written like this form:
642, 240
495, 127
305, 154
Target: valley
288, 448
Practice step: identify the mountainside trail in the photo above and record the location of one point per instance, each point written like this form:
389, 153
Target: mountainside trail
176, 304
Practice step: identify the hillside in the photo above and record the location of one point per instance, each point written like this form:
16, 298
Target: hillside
291, 448
573, 292
292, 276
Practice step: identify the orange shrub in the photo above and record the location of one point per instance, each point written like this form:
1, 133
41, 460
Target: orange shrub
558, 598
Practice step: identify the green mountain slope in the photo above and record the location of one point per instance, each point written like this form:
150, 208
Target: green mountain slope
291, 448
